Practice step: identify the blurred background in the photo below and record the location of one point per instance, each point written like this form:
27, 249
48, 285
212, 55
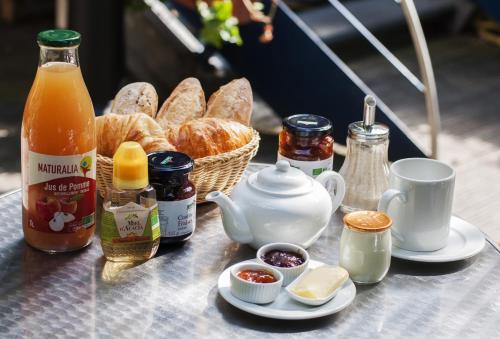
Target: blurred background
301, 56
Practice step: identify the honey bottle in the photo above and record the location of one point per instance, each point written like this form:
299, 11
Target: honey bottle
130, 229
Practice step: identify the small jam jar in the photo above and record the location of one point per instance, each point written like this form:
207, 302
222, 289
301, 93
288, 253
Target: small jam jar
306, 142
365, 246
176, 195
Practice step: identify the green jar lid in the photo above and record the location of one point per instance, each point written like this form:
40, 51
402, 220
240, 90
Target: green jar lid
59, 38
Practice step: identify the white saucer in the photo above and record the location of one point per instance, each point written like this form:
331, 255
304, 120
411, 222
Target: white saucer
465, 241
285, 307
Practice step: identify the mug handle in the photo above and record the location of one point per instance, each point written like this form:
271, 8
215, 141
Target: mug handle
383, 206
324, 179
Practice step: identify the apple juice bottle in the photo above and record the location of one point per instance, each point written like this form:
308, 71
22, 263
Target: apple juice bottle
58, 150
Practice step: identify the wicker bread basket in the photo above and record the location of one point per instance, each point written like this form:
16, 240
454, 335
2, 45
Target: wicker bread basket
214, 173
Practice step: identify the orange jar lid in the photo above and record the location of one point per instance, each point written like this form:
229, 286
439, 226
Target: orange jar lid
367, 221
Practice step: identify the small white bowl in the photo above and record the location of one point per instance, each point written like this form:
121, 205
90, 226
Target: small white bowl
252, 292
289, 273
310, 301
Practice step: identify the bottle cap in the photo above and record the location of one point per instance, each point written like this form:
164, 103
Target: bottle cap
130, 166
59, 38
169, 162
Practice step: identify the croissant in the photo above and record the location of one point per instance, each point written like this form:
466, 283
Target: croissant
113, 129
209, 136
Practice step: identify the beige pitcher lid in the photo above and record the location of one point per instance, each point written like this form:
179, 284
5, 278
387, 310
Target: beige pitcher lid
368, 221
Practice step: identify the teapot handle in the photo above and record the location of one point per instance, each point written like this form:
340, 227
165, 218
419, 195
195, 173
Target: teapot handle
330, 176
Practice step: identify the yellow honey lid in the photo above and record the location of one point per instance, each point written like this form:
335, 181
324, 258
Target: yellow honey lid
368, 221
130, 166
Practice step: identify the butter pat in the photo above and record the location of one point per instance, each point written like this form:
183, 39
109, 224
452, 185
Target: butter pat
320, 282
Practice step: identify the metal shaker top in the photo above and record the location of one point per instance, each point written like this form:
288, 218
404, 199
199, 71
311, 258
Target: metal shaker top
368, 129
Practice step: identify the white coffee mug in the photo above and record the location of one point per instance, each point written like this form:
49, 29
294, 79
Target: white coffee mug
419, 201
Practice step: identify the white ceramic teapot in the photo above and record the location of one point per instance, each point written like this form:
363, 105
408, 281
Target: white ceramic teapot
279, 204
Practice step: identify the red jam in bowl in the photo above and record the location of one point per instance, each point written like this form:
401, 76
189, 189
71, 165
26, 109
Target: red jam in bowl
281, 258
257, 276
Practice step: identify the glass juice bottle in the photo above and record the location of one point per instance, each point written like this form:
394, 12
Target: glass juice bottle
58, 150
130, 228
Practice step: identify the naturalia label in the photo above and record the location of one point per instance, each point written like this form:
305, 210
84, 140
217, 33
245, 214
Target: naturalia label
60, 192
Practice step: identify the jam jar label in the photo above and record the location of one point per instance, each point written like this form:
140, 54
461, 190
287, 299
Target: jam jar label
129, 223
59, 192
177, 218
311, 168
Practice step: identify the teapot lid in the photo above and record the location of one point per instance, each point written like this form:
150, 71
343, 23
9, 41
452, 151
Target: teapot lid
281, 179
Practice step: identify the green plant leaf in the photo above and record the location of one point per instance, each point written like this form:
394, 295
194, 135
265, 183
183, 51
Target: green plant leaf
259, 6
219, 24
223, 9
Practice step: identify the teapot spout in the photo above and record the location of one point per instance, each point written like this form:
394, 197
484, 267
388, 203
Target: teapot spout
233, 219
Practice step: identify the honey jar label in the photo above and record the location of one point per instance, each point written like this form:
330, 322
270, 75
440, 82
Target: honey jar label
311, 168
59, 192
130, 223
177, 218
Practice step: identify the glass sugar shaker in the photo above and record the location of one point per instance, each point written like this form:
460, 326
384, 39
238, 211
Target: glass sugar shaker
366, 168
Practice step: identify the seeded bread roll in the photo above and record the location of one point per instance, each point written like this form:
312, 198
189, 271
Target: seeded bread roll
233, 101
113, 129
208, 136
137, 97
186, 103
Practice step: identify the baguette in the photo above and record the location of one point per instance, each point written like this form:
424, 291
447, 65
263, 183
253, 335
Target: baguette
187, 102
233, 101
137, 97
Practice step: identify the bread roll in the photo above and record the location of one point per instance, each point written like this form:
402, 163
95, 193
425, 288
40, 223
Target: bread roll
113, 129
137, 97
233, 101
209, 136
187, 102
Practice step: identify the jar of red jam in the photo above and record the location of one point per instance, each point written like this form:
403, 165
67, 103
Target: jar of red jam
306, 141
176, 195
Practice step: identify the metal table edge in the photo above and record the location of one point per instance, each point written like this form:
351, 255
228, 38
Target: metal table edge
4, 195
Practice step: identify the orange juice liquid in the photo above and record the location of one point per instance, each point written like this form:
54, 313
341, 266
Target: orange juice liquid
58, 160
